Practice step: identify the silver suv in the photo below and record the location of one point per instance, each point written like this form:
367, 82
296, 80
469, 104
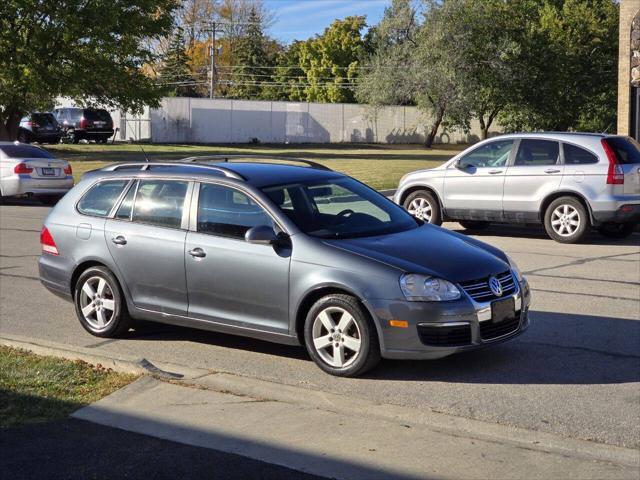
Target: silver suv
568, 181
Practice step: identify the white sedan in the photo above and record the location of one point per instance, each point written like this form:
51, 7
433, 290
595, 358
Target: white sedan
31, 171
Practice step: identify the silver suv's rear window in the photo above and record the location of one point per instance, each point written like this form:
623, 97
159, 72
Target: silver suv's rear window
627, 150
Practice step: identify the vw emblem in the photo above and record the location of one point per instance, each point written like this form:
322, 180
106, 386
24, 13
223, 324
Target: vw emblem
494, 285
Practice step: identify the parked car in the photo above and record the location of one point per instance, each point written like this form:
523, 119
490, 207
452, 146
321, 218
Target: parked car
85, 123
284, 253
41, 127
567, 181
29, 170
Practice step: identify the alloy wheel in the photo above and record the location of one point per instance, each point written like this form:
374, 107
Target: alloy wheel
421, 209
97, 303
565, 220
336, 337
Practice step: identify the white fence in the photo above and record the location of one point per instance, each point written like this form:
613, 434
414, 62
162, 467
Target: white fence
202, 120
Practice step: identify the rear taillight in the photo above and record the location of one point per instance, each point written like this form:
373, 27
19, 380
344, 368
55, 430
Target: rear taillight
67, 170
615, 175
29, 124
47, 243
83, 122
22, 168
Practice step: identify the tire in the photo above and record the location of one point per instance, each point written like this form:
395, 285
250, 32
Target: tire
72, 137
423, 205
102, 140
325, 314
23, 137
49, 200
102, 321
617, 230
560, 220
474, 224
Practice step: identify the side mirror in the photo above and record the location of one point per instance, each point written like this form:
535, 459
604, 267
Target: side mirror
261, 235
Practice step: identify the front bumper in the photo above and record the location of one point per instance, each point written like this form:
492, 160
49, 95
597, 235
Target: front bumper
627, 213
465, 314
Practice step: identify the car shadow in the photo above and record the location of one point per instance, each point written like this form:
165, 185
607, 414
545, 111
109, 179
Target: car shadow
22, 202
557, 349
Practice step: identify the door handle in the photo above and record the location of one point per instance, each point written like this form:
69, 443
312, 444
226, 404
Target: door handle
494, 172
197, 253
119, 240
552, 170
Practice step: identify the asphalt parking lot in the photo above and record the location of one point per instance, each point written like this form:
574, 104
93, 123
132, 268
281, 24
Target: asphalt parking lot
576, 372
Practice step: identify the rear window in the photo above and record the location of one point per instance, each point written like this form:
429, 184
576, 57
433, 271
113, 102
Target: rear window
627, 150
24, 151
101, 198
97, 115
44, 119
74, 113
578, 156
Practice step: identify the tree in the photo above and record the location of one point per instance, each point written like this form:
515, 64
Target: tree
288, 78
90, 51
251, 57
175, 72
331, 61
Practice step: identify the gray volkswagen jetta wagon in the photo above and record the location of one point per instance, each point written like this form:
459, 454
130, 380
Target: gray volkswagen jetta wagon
284, 253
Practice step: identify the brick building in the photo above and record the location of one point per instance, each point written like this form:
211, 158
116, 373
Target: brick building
629, 69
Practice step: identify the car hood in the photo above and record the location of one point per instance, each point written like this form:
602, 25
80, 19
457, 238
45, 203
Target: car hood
430, 250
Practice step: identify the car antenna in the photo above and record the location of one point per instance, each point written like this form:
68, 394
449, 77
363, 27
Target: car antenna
141, 149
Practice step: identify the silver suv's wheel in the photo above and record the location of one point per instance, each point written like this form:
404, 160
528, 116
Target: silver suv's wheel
424, 206
566, 220
100, 306
341, 337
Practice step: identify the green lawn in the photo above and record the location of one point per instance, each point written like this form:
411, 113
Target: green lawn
39, 389
380, 166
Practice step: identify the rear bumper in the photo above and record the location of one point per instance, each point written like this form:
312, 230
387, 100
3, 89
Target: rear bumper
55, 275
626, 213
93, 134
24, 184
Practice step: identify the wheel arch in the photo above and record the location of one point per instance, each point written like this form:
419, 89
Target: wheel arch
565, 193
316, 294
83, 266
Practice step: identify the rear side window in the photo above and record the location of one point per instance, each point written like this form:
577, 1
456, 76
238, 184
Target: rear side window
227, 212
45, 119
537, 152
24, 151
160, 203
101, 198
627, 150
578, 156
97, 115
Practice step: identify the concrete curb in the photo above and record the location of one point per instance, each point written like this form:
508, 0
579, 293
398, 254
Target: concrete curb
261, 389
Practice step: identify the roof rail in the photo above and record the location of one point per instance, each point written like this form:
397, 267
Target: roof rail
148, 165
227, 158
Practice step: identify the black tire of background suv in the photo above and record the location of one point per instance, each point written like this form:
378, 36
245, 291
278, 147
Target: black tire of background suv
122, 321
585, 222
24, 137
436, 214
369, 355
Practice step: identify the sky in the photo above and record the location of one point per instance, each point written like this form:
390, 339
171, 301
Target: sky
301, 19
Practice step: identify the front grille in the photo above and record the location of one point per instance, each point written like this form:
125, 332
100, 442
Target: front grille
479, 289
445, 336
490, 330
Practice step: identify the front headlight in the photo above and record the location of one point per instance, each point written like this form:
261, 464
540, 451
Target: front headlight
515, 268
420, 288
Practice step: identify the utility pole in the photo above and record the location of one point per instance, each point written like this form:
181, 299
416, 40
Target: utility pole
213, 73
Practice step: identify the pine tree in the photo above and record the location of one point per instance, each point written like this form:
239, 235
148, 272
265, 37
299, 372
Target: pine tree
175, 72
251, 57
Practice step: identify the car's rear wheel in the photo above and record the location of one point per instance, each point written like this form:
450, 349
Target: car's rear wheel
100, 305
473, 224
424, 206
617, 230
340, 336
102, 140
566, 220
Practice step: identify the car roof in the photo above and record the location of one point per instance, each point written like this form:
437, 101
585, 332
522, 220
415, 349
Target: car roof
266, 174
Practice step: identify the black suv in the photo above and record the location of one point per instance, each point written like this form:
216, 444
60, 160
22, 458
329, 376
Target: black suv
39, 127
87, 123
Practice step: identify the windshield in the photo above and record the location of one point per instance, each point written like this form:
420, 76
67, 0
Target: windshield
340, 208
24, 151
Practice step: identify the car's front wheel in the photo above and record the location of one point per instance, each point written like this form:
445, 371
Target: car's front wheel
566, 220
340, 336
100, 305
617, 230
424, 206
